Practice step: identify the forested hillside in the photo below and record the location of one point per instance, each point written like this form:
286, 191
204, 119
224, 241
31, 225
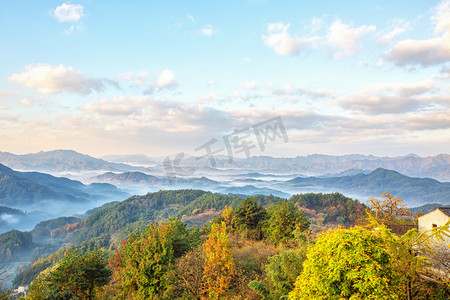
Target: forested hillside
260, 247
113, 222
415, 191
23, 189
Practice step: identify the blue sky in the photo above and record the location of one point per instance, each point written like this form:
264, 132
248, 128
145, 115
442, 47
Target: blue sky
162, 77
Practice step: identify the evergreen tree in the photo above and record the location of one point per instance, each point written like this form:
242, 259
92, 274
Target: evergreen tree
286, 222
141, 264
81, 272
249, 214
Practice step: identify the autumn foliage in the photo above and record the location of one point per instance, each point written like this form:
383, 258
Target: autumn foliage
389, 208
347, 264
219, 264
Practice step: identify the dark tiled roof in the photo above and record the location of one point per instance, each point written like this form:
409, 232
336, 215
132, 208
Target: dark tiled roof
445, 210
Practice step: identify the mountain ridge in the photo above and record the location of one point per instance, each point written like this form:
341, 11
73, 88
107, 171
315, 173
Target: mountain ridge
436, 167
414, 190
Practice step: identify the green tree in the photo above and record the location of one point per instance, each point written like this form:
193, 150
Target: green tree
348, 264
286, 222
219, 263
142, 263
81, 272
183, 239
412, 254
249, 214
281, 271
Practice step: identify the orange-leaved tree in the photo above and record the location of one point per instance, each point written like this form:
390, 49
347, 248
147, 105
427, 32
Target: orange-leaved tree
389, 208
219, 262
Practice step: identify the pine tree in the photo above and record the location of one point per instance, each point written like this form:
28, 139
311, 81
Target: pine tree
81, 272
141, 264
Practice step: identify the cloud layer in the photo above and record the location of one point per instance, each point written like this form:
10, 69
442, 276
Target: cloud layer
426, 52
47, 79
346, 38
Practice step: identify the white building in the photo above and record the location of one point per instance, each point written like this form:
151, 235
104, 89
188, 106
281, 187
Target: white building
20, 291
438, 217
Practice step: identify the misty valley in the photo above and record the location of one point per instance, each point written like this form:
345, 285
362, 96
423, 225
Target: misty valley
39, 191
50, 200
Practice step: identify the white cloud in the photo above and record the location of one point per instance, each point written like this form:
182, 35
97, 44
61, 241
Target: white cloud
69, 12
211, 83
37, 124
74, 28
208, 97
316, 24
131, 113
246, 60
387, 37
166, 80
289, 90
397, 27
345, 37
53, 80
393, 98
250, 85
190, 17
442, 17
115, 107
242, 97
209, 30
26, 103
138, 79
423, 52
282, 42
427, 52
7, 118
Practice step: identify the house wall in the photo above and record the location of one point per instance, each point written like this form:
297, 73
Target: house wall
439, 269
435, 217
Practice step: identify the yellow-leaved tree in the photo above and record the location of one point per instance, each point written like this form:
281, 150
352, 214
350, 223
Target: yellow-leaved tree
389, 208
219, 263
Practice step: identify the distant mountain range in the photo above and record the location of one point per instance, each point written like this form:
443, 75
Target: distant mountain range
139, 178
59, 161
355, 175
129, 179
135, 159
436, 167
414, 191
20, 189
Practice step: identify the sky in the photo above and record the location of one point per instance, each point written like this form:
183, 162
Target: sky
164, 77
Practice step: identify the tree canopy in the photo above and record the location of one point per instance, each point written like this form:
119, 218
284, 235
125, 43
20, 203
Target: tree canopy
80, 273
347, 264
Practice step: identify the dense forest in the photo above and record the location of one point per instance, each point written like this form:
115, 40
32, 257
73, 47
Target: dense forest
311, 246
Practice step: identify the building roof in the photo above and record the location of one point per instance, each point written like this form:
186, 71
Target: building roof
445, 210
